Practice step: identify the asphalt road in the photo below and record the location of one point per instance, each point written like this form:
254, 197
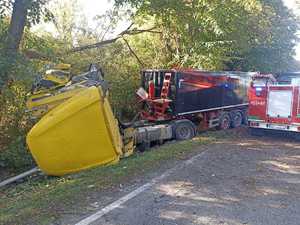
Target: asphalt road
234, 182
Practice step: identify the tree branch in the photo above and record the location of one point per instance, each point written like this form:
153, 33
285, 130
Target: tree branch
133, 53
110, 41
96, 45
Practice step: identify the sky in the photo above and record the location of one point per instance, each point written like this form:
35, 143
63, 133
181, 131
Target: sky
95, 7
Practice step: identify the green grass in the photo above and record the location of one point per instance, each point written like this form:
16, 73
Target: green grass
45, 200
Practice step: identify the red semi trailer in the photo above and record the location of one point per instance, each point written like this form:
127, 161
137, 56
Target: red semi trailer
195, 99
274, 104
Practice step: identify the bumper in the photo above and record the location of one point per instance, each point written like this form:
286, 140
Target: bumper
274, 126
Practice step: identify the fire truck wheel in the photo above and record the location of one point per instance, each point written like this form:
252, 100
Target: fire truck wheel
225, 122
184, 130
237, 119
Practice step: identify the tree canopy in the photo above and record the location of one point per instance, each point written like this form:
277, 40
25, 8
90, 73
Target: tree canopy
232, 34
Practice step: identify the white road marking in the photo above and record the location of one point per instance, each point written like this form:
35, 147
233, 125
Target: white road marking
131, 195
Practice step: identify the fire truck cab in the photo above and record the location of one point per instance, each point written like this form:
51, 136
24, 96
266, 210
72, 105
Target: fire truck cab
274, 104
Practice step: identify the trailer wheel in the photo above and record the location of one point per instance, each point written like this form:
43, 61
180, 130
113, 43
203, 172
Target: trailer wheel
184, 130
237, 119
225, 122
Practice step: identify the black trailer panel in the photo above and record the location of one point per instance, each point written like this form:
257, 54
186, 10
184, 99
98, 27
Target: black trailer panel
195, 90
193, 96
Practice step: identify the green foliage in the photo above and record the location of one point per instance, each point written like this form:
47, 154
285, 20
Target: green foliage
121, 71
16, 156
233, 34
16, 76
36, 10
13, 127
5, 6
19, 66
272, 49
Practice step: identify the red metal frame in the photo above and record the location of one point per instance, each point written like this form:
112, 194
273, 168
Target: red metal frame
158, 106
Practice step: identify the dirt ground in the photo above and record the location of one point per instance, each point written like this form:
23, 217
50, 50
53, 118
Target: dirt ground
238, 180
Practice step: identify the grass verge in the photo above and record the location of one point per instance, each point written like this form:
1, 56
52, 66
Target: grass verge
46, 200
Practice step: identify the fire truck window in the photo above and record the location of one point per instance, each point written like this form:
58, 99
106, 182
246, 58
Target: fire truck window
260, 82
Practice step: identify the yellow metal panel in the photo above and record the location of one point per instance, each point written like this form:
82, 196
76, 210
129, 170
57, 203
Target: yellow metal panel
62, 66
113, 125
74, 136
40, 104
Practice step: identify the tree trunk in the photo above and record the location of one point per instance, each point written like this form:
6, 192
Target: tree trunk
17, 25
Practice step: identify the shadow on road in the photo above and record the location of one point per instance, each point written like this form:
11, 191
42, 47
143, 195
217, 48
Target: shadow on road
240, 181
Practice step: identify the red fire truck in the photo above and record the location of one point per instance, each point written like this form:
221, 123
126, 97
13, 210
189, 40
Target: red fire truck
274, 104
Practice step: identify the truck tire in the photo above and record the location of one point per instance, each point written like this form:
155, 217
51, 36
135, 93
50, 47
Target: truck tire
225, 121
144, 146
237, 119
184, 130
245, 118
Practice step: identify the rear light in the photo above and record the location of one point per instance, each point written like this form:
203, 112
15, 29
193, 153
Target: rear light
254, 124
298, 128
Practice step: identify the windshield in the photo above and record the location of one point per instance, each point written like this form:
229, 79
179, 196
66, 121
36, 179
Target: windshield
260, 82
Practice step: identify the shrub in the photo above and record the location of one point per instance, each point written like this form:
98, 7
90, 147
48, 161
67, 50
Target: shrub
14, 125
16, 155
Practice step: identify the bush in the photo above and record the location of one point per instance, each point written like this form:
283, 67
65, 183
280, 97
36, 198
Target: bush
16, 155
14, 124
123, 96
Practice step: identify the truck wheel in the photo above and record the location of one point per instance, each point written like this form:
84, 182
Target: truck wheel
144, 146
237, 119
245, 118
225, 122
184, 130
